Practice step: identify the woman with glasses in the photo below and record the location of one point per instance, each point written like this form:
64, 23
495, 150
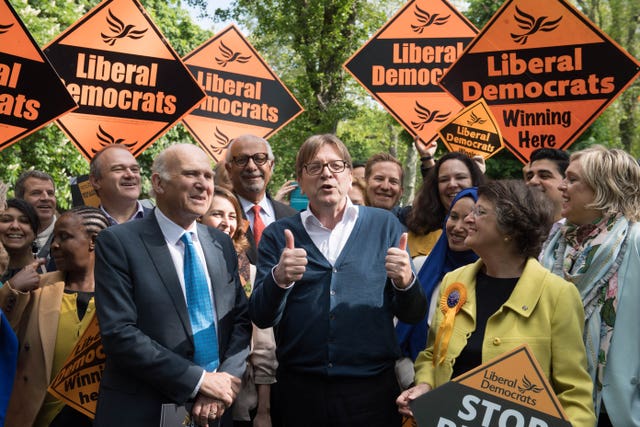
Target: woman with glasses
598, 250
506, 299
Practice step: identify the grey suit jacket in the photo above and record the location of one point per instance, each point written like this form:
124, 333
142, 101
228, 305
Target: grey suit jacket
145, 324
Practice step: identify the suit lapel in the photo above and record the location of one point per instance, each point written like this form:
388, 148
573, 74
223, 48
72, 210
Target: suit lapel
160, 257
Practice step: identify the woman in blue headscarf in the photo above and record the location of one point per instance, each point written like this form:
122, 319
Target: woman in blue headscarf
448, 254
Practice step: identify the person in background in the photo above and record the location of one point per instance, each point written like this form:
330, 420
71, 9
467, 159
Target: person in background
509, 296
8, 339
545, 173
221, 178
358, 170
249, 163
49, 316
358, 192
18, 227
449, 253
115, 176
254, 398
427, 152
383, 176
452, 173
598, 250
282, 195
330, 281
38, 189
172, 311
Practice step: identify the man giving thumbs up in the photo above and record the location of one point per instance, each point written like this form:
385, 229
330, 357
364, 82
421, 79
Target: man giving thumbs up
330, 280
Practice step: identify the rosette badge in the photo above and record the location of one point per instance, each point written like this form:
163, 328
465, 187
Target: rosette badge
451, 302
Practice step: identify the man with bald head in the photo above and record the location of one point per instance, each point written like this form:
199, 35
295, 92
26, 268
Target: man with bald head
249, 163
172, 312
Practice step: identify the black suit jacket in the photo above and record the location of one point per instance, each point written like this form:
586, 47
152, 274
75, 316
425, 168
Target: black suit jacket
281, 210
144, 322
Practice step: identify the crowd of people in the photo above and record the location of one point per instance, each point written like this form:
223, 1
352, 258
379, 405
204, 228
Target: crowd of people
224, 300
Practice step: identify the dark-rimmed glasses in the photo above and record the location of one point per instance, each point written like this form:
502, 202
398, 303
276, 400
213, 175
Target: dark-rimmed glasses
259, 159
316, 168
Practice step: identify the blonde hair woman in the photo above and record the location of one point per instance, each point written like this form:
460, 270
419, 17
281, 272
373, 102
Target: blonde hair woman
598, 249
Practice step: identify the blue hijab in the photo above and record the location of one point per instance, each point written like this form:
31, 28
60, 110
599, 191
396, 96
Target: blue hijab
441, 260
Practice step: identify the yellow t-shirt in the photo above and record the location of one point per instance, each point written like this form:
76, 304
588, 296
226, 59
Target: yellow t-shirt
422, 244
70, 329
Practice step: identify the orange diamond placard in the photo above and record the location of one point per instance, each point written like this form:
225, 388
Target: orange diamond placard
403, 62
243, 94
511, 389
130, 85
31, 93
473, 131
545, 71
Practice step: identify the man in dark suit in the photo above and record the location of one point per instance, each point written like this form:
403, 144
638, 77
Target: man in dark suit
249, 163
142, 289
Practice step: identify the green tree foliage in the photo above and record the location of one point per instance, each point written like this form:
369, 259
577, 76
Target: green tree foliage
49, 149
306, 42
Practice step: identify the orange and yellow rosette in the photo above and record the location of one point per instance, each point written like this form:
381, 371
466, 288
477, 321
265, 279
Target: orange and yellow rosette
451, 302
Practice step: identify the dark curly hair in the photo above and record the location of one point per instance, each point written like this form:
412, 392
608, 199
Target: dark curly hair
522, 213
427, 213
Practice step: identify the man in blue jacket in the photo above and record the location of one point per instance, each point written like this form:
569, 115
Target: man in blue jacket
330, 280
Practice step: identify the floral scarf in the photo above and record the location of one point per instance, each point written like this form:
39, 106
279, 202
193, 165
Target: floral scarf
589, 256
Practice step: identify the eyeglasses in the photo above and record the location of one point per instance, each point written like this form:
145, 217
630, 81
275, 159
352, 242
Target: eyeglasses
479, 211
316, 168
259, 159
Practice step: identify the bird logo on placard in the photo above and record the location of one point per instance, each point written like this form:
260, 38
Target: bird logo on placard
107, 139
426, 19
120, 30
528, 386
228, 56
222, 141
473, 119
4, 28
427, 116
532, 25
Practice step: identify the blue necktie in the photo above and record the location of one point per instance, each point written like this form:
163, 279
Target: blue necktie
200, 308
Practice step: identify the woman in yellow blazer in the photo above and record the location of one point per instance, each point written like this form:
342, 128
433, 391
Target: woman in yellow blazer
49, 317
507, 299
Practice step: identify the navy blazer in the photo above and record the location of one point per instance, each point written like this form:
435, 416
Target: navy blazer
145, 324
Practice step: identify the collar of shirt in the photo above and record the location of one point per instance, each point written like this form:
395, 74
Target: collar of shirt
331, 242
139, 213
268, 213
172, 233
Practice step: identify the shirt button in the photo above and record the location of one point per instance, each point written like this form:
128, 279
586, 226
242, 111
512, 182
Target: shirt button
335, 270
497, 341
332, 292
330, 365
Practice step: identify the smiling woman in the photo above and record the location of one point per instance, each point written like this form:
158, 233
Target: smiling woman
507, 294
18, 228
48, 315
597, 250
